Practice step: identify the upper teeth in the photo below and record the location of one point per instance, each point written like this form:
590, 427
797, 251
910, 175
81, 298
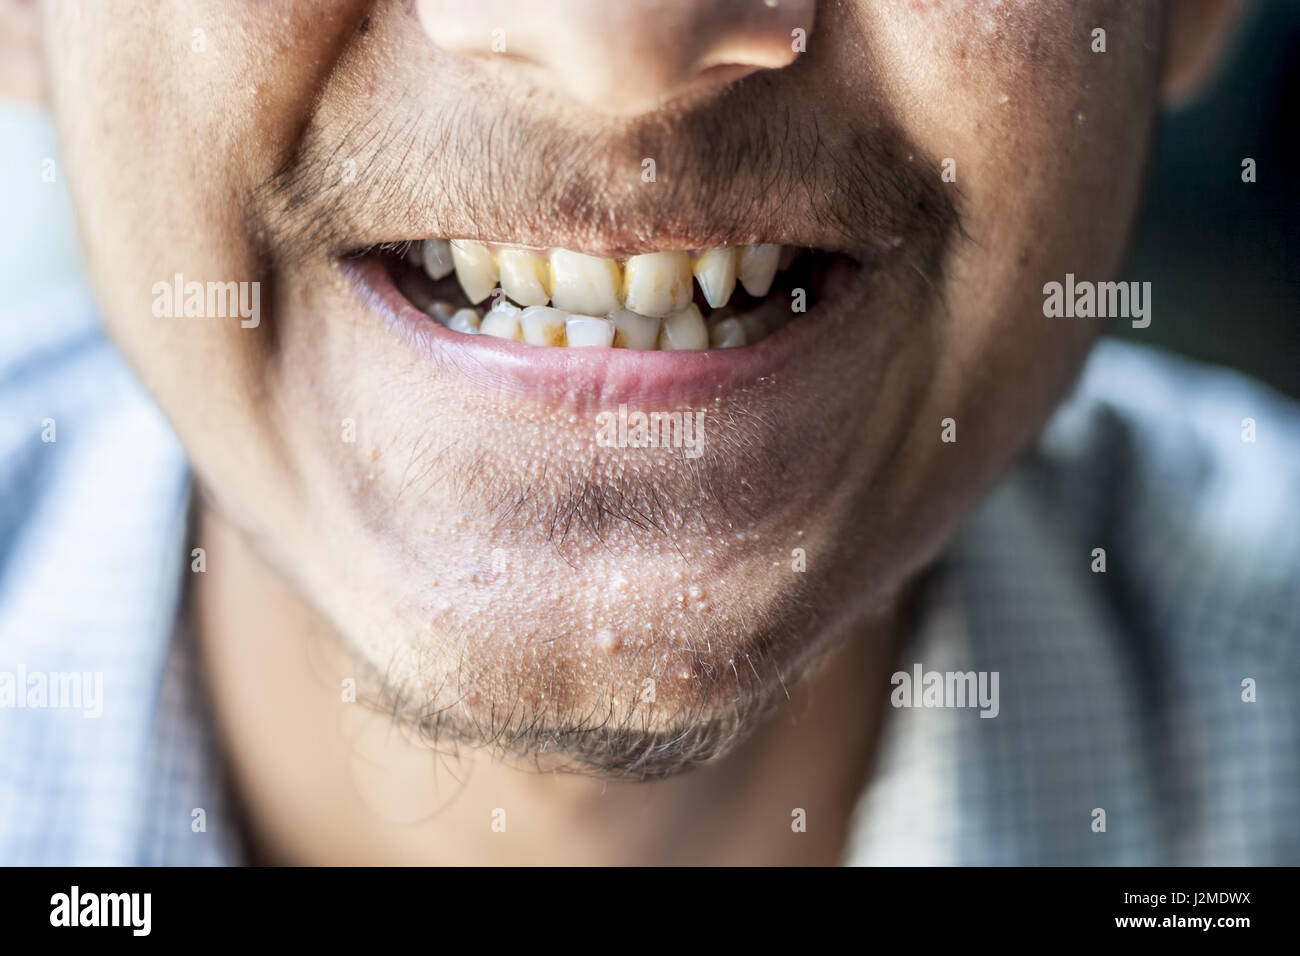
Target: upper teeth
716, 271
523, 276
642, 304
758, 267
657, 283
475, 268
584, 284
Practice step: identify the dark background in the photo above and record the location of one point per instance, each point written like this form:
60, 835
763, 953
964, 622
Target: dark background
1223, 256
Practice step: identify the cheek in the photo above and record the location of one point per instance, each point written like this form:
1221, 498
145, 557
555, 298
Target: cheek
1014, 93
1039, 136
170, 116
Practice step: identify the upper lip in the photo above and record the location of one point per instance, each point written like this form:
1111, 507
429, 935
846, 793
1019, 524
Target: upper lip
730, 174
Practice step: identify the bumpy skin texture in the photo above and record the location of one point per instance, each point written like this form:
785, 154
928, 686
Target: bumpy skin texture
621, 565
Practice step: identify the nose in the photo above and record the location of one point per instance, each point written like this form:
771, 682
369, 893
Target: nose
624, 57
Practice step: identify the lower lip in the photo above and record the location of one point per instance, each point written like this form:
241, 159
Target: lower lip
601, 377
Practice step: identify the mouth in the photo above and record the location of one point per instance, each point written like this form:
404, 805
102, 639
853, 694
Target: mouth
659, 327
719, 298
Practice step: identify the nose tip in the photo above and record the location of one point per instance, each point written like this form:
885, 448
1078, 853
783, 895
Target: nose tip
624, 57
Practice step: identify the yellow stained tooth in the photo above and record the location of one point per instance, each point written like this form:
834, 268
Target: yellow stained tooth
727, 334
634, 331
684, 330
657, 283
543, 326
475, 269
523, 276
715, 270
587, 285
757, 267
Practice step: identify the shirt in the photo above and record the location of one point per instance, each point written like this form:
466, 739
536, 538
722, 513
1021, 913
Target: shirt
1145, 713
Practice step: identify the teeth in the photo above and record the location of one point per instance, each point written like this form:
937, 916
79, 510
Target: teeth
657, 283
587, 285
633, 331
475, 270
684, 330
464, 320
441, 312
588, 330
727, 334
757, 268
502, 321
754, 327
716, 271
596, 302
436, 256
543, 326
523, 276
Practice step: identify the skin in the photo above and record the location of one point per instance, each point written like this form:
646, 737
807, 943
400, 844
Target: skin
331, 560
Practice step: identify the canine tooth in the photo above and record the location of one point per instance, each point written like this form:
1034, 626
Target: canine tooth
464, 320
716, 271
475, 270
542, 325
634, 331
757, 267
657, 283
727, 334
522, 276
587, 285
436, 254
684, 330
589, 330
502, 321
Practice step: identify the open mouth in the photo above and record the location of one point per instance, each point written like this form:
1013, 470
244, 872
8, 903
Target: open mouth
724, 297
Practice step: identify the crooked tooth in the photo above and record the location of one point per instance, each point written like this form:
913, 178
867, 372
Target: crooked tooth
588, 330
436, 255
757, 267
587, 285
634, 331
684, 330
716, 271
502, 321
475, 270
464, 320
543, 326
727, 334
523, 276
657, 283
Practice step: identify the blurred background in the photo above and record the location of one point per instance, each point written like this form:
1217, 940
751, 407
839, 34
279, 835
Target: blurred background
1223, 256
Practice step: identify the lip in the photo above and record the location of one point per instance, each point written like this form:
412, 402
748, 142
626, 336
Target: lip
603, 378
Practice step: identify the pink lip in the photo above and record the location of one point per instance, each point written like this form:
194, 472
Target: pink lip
595, 377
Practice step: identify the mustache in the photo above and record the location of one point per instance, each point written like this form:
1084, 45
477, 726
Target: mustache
756, 165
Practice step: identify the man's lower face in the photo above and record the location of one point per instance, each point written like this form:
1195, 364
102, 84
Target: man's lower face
588, 433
